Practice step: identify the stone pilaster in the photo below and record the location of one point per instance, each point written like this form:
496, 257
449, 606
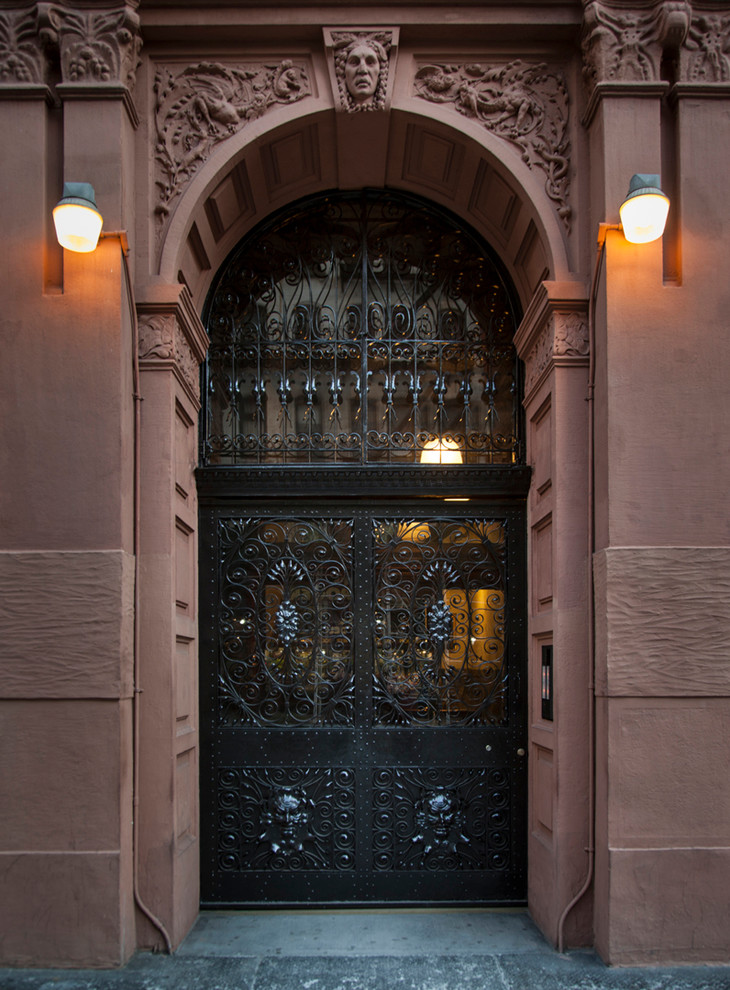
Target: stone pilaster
98, 46
172, 343
552, 340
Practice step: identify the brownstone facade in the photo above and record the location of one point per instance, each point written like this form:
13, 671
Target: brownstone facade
194, 122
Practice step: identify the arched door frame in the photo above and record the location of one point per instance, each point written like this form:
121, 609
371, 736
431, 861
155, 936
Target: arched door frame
263, 167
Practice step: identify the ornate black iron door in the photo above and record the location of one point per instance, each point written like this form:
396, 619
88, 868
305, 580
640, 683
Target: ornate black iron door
362, 681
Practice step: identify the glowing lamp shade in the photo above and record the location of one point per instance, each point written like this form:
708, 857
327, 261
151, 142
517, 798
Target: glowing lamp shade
644, 211
77, 218
441, 452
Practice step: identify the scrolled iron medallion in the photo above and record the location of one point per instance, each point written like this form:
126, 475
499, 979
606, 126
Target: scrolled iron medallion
360, 328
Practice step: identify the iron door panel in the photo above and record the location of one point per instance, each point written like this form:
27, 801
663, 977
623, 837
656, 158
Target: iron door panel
448, 818
430, 809
290, 801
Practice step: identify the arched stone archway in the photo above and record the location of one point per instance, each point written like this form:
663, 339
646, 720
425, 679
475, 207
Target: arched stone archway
466, 169
480, 178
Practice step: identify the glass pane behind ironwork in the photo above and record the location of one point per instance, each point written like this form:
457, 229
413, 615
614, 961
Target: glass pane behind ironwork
439, 622
357, 329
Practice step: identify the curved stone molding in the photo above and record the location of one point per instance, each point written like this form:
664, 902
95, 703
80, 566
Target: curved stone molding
201, 105
705, 57
523, 103
99, 46
21, 59
362, 67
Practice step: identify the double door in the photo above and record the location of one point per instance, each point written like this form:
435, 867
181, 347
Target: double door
362, 703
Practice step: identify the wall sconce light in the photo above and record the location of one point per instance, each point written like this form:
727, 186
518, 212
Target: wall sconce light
77, 218
440, 451
644, 211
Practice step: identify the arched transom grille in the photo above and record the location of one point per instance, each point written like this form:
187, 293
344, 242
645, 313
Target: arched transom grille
361, 328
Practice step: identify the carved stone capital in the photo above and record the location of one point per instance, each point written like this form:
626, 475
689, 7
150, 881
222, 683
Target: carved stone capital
538, 358
97, 46
523, 103
620, 45
162, 344
563, 336
171, 337
570, 334
21, 58
705, 55
554, 331
361, 63
198, 106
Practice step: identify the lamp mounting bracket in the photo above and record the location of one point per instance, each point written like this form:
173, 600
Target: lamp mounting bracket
121, 235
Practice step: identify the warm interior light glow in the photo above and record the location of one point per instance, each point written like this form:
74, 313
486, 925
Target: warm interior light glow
644, 211
441, 452
77, 219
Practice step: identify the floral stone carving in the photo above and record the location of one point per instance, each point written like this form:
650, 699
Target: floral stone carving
619, 46
525, 104
571, 334
162, 339
563, 335
706, 55
97, 46
20, 54
202, 105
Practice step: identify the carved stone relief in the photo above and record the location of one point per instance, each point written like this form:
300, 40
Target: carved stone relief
540, 355
706, 54
563, 335
156, 337
96, 46
362, 67
619, 45
21, 60
162, 339
570, 334
201, 105
523, 103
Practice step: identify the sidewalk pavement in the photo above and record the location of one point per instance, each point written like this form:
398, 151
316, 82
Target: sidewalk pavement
368, 950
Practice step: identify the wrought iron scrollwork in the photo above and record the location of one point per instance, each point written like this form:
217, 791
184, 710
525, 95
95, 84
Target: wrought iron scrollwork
286, 622
359, 329
439, 633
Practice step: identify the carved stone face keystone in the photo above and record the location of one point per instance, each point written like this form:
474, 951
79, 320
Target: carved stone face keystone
362, 71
